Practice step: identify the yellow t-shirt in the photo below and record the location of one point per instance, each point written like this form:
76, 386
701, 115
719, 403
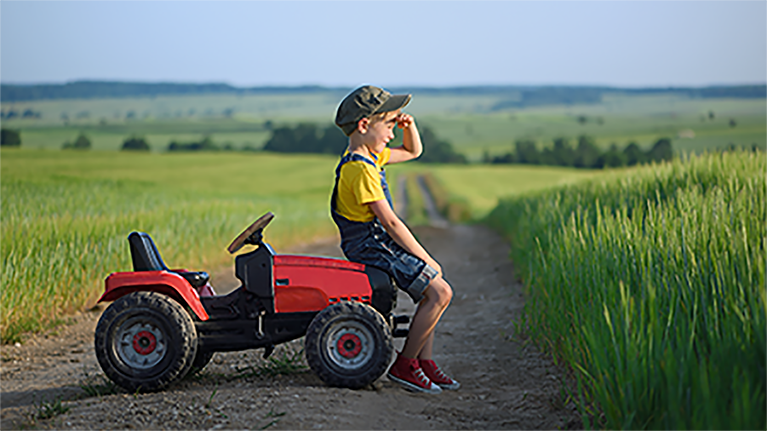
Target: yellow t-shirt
359, 184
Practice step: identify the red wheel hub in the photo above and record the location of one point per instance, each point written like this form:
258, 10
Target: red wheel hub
144, 342
349, 345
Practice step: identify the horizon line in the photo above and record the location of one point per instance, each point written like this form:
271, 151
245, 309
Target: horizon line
341, 86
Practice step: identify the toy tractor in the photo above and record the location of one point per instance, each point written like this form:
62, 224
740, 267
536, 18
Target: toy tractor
165, 323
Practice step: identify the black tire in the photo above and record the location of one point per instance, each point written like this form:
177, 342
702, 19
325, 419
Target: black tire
201, 360
145, 341
349, 345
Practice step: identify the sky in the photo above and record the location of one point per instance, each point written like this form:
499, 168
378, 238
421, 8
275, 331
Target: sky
390, 43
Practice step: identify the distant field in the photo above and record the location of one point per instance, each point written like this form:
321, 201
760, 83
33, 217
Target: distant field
643, 119
481, 186
471, 123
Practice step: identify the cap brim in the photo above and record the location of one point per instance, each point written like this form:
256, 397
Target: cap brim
395, 102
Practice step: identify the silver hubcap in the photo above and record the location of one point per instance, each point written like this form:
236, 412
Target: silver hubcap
141, 344
350, 344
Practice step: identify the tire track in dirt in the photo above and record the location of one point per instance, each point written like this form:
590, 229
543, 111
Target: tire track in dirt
504, 384
435, 218
400, 198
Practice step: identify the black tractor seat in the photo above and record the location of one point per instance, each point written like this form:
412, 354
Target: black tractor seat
146, 258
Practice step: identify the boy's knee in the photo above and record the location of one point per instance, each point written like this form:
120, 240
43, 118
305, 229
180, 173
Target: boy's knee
442, 292
448, 292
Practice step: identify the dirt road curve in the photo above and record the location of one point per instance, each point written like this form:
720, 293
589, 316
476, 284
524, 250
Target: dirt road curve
505, 386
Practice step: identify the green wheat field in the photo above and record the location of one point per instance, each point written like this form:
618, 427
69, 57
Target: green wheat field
650, 284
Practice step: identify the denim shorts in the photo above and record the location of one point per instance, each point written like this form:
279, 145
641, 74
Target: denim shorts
411, 273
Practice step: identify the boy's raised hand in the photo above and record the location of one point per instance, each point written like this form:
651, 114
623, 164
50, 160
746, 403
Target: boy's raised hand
404, 120
411, 140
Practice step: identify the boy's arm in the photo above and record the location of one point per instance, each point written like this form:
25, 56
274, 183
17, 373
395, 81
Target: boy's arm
411, 141
400, 233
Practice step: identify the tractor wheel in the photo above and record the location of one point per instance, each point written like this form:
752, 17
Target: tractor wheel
348, 344
201, 360
145, 341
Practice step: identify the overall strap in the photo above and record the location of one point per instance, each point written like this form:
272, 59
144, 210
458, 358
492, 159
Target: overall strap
348, 157
352, 157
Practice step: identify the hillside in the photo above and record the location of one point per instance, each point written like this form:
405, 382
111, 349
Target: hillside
515, 96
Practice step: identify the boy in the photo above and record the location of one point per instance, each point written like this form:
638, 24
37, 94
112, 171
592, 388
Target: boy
371, 233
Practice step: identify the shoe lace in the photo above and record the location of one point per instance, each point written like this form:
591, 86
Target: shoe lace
421, 377
438, 372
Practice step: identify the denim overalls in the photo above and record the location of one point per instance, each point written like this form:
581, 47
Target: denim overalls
369, 243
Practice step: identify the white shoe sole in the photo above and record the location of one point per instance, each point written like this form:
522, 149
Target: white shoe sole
414, 388
451, 387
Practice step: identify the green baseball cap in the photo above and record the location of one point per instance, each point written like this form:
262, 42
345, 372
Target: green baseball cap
364, 102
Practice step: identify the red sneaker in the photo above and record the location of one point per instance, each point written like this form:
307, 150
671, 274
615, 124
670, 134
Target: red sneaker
409, 374
433, 372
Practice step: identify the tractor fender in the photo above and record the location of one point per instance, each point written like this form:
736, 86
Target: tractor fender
119, 284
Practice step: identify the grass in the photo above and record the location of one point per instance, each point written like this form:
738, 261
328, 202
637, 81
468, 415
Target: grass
649, 283
210, 399
272, 418
283, 363
97, 385
416, 209
286, 360
65, 218
50, 409
454, 209
481, 187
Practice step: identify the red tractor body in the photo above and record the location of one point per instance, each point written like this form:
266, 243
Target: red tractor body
305, 283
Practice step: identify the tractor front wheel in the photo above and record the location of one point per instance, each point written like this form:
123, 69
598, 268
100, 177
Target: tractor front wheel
349, 345
145, 341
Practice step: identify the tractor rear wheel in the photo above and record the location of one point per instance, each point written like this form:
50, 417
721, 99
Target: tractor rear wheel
349, 345
145, 341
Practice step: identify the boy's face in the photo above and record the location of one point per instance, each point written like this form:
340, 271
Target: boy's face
381, 131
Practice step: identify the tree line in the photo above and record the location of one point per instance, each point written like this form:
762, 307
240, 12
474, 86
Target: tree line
12, 113
308, 138
10, 138
585, 154
313, 139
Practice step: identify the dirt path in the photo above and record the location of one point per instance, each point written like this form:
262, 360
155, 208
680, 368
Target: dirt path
435, 218
505, 385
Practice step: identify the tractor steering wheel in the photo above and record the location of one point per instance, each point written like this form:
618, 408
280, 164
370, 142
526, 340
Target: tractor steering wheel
257, 225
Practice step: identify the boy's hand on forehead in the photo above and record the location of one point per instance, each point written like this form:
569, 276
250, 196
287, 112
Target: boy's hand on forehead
404, 120
411, 146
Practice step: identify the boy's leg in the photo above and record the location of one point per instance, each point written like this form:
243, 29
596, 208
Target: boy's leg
437, 296
431, 369
414, 368
428, 348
